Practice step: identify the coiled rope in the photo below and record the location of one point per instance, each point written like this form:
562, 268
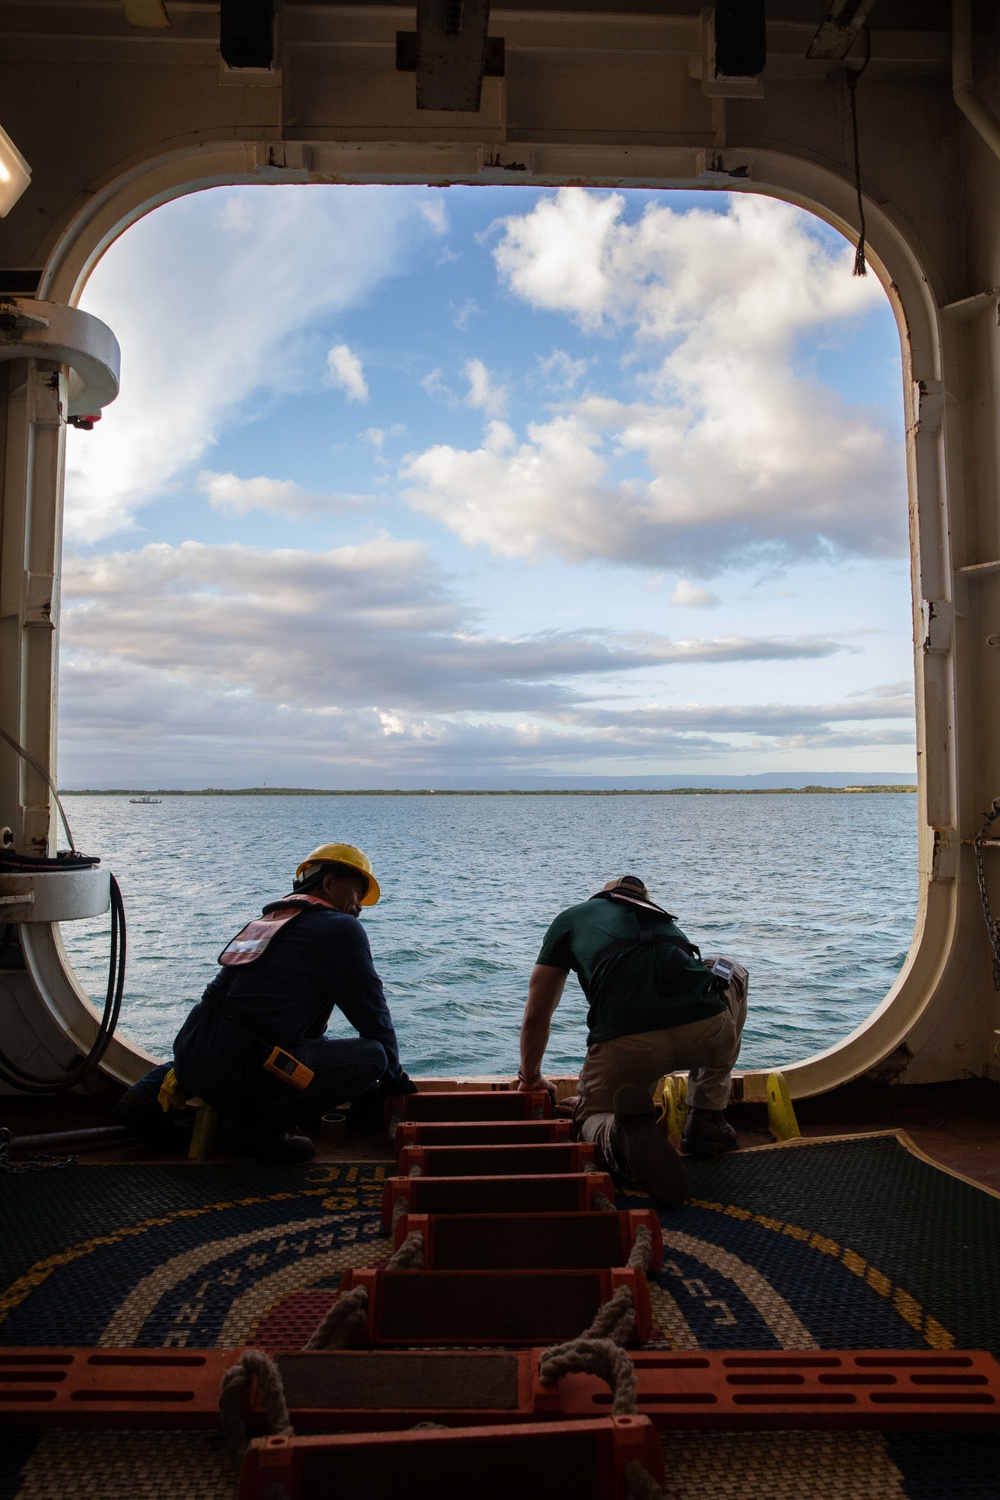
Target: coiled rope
253, 1364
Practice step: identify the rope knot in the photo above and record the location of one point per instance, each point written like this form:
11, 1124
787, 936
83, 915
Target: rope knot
253, 1364
347, 1314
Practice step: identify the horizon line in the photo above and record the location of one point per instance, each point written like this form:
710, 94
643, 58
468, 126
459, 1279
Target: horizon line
299, 791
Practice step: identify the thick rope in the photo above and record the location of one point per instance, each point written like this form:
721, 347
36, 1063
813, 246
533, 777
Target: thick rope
399, 1208
601, 1201
598, 1351
615, 1319
642, 1251
410, 1255
348, 1313
600, 1357
253, 1364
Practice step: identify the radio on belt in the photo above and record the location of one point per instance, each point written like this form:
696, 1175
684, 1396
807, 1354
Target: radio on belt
288, 1068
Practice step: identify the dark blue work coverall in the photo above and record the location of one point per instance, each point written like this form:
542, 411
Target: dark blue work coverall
285, 998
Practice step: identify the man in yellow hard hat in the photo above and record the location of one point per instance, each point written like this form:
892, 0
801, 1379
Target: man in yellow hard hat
254, 1046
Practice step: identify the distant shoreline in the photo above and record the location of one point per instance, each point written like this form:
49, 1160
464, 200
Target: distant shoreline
302, 791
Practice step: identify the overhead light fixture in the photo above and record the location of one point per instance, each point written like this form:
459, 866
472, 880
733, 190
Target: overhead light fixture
15, 174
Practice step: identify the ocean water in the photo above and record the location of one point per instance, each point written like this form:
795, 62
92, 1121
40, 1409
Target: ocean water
815, 893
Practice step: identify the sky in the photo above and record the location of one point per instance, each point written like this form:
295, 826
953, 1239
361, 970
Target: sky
486, 486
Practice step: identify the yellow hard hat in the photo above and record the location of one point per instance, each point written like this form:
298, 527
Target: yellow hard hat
343, 854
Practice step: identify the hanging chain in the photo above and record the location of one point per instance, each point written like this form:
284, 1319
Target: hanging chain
30, 1163
991, 926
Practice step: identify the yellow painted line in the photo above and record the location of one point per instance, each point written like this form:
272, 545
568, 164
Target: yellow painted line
15, 1293
906, 1305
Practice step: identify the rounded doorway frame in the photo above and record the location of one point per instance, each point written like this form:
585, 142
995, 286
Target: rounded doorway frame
930, 984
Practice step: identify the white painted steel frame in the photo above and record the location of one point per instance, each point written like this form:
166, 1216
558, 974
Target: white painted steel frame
936, 1022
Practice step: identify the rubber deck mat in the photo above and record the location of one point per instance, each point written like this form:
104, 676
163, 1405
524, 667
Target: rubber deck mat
847, 1244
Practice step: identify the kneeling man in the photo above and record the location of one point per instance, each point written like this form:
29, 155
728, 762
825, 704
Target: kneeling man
254, 1045
655, 1006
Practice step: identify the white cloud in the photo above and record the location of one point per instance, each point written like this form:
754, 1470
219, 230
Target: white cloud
434, 211
129, 724
374, 437
278, 497
483, 394
561, 371
212, 298
733, 455
369, 625
360, 665
462, 314
435, 386
345, 371
688, 596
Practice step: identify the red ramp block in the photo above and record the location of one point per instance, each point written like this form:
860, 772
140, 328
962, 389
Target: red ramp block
584, 1459
565, 1193
490, 1307
778, 1389
492, 1104
369, 1390
499, 1161
147, 1389
458, 1242
481, 1133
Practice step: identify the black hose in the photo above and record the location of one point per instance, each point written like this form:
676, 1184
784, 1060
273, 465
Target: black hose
30, 1083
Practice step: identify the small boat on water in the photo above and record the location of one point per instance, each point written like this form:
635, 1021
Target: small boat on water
146, 801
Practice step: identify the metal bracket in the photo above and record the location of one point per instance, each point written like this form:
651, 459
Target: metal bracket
451, 53
937, 618
930, 405
31, 329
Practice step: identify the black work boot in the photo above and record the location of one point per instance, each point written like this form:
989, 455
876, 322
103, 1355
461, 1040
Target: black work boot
642, 1153
140, 1114
707, 1132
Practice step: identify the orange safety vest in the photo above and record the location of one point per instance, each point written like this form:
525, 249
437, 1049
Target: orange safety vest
252, 940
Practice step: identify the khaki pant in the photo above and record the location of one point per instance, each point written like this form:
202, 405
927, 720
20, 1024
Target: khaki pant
708, 1048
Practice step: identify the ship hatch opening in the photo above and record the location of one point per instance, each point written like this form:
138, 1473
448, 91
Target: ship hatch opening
582, 509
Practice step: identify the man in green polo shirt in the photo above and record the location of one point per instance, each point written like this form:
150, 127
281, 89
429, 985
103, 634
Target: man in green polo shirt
655, 1006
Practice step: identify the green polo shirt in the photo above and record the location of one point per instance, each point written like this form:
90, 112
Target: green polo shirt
638, 988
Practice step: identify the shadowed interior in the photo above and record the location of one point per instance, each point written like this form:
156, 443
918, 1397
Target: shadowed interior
375, 1380
426, 1307
481, 1241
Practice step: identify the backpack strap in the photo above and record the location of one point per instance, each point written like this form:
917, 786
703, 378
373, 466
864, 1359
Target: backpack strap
646, 937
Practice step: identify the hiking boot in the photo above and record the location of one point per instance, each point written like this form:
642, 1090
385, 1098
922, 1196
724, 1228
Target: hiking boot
264, 1145
641, 1152
140, 1114
707, 1132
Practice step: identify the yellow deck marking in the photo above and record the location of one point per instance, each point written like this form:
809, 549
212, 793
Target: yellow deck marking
15, 1294
906, 1305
